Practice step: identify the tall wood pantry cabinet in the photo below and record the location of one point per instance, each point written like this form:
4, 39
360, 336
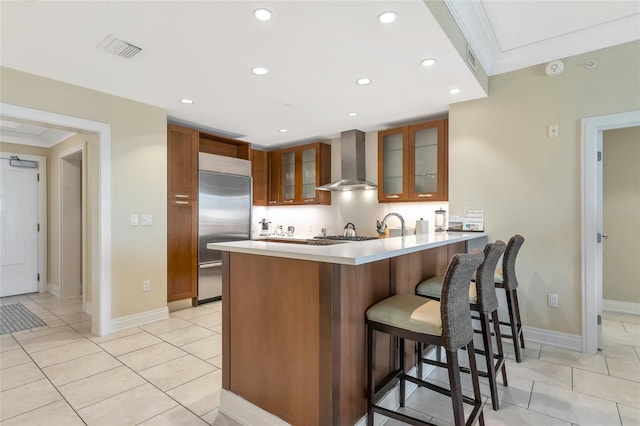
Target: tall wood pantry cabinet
413, 163
182, 213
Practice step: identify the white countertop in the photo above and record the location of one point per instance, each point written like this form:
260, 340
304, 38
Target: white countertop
350, 253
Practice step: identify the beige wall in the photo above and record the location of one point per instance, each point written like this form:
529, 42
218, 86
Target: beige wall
621, 221
24, 149
138, 184
501, 161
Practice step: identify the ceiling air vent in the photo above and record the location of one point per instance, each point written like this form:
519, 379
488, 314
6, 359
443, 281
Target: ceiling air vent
112, 44
471, 58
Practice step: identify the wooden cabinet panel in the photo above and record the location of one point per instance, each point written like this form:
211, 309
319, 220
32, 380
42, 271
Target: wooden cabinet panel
182, 162
182, 249
260, 175
273, 187
413, 163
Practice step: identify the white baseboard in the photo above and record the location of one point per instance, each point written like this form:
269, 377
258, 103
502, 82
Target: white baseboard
246, 413
619, 306
53, 289
553, 338
135, 320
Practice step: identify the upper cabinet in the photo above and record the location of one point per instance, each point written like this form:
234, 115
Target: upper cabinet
182, 165
296, 172
412, 163
260, 174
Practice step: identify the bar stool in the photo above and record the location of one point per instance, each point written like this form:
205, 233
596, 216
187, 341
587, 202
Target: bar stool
446, 323
509, 283
482, 299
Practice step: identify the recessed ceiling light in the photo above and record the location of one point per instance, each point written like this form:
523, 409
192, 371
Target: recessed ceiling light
352, 114
363, 81
388, 16
455, 90
259, 71
186, 101
428, 62
284, 130
262, 14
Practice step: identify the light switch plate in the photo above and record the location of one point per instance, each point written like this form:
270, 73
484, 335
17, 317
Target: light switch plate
133, 220
147, 220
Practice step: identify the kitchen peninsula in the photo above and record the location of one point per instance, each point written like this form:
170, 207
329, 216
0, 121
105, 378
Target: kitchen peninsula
293, 319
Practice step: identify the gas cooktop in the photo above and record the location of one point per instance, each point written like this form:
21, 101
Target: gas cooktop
343, 238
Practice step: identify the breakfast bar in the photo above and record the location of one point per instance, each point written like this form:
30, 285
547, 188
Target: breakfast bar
293, 320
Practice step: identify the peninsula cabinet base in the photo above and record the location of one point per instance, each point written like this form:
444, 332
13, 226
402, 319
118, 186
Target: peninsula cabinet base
294, 336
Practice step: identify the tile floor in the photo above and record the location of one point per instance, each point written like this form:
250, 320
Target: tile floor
168, 373
162, 373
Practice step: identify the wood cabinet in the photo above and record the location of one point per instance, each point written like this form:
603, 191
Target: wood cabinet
273, 170
413, 163
182, 213
182, 249
302, 169
182, 162
260, 175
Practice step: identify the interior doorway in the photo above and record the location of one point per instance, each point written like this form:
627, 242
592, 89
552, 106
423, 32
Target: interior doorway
99, 261
592, 222
72, 251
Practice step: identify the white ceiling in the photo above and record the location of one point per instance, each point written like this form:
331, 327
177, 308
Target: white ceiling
314, 50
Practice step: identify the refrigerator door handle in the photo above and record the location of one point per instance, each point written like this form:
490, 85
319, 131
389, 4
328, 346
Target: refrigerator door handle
211, 265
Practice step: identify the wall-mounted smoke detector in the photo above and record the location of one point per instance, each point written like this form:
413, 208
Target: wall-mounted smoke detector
112, 44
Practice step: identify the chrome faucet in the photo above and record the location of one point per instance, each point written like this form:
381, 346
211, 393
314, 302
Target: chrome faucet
381, 227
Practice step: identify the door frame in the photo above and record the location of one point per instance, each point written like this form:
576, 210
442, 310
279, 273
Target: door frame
100, 222
592, 129
82, 148
42, 215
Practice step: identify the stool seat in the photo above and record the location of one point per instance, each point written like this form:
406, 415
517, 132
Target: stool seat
409, 312
432, 288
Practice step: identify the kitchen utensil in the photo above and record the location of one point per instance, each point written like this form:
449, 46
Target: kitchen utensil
279, 231
290, 231
350, 230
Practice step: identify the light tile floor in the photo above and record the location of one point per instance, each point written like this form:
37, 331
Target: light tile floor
163, 373
169, 373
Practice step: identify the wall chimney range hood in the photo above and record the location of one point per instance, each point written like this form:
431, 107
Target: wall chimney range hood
352, 164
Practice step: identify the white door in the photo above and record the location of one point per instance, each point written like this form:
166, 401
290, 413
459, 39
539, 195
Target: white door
18, 229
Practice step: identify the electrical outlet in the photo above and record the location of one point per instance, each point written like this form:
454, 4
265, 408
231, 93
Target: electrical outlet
552, 300
147, 219
133, 220
146, 285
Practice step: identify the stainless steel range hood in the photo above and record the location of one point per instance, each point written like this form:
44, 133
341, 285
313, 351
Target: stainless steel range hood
352, 162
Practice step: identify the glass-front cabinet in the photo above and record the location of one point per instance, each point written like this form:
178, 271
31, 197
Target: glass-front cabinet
412, 163
303, 168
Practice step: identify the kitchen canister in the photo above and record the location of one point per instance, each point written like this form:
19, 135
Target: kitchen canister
441, 216
422, 226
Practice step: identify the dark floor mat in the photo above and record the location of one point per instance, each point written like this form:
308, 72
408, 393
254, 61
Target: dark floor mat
15, 317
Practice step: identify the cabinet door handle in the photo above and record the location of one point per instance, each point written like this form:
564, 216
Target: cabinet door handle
309, 200
425, 195
181, 202
182, 196
272, 202
287, 201
393, 196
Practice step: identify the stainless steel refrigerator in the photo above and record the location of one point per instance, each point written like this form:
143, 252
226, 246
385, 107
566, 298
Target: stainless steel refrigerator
224, 214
